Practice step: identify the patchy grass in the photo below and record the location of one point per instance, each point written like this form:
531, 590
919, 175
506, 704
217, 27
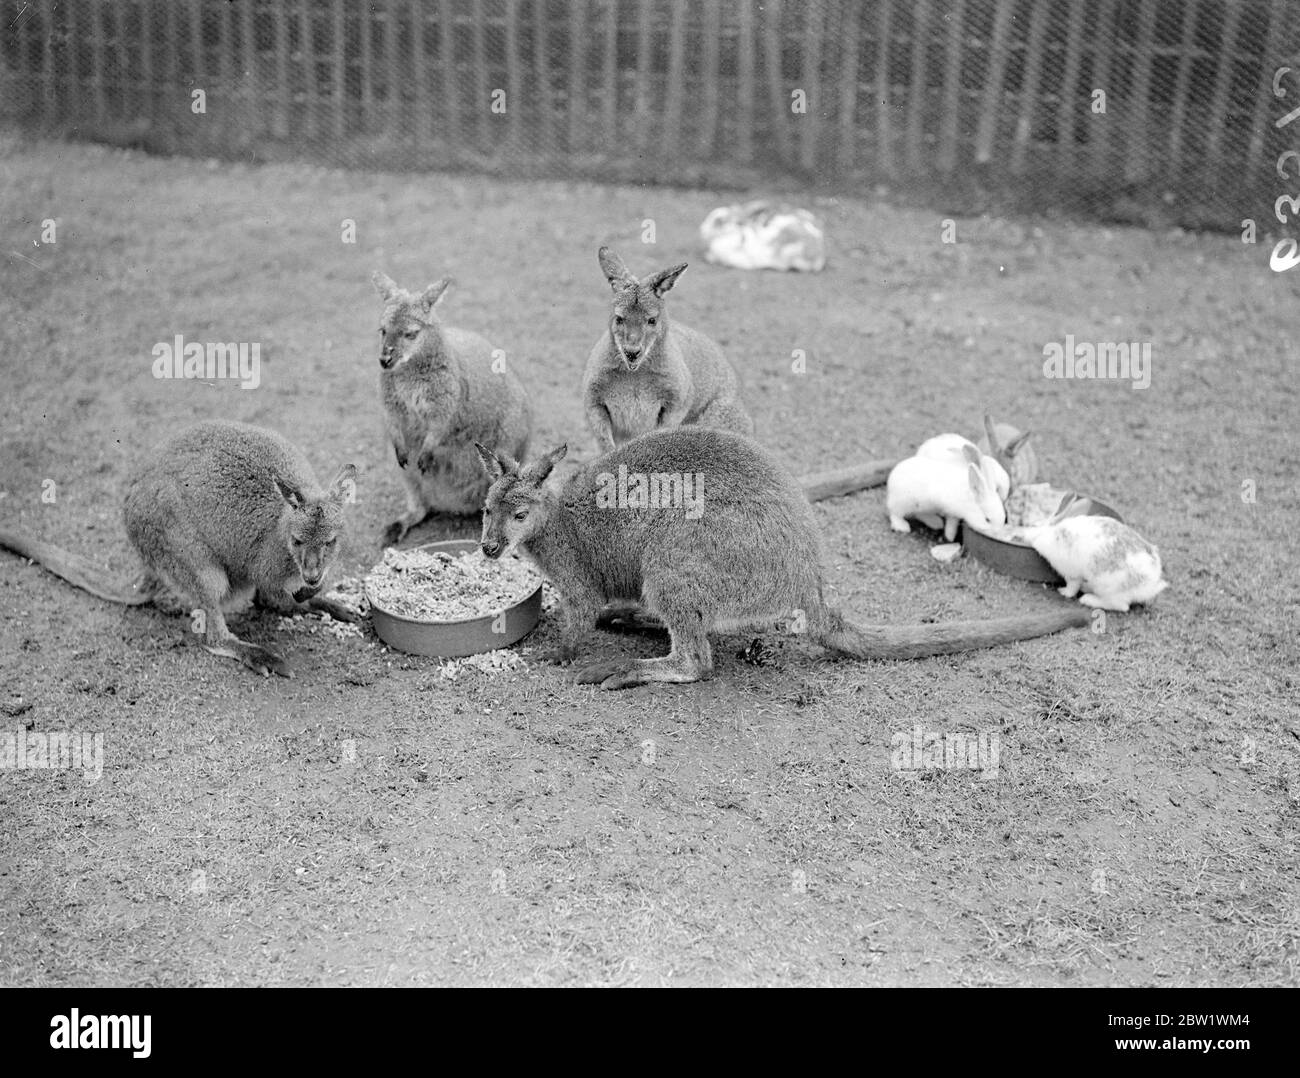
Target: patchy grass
371, 822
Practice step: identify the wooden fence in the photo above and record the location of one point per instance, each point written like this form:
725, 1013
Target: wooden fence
832, 90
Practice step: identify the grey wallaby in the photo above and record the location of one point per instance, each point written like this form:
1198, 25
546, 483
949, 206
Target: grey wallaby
708, 532
220, 513
443, 389
646, 373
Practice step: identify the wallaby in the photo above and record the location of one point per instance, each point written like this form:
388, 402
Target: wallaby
645, 374
708, 532
442, 391
219, 513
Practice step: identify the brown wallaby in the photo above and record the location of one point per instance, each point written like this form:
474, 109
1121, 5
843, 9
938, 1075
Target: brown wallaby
219, 513
1010, 449
443, 390
645, 373
707, 531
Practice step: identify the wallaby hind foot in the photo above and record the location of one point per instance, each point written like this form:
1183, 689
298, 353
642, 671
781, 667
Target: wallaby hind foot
690, 659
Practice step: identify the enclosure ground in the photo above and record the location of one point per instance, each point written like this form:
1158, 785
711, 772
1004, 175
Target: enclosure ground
1141, 827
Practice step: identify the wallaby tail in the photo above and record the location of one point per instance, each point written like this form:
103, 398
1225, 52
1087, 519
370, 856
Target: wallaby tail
920, 641
840, 481
76, 570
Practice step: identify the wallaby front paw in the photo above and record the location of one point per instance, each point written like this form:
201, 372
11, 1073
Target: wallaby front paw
255, 657
598, 673
558, 656
426, 463
628, 620
401, 457
338, 611
394, 533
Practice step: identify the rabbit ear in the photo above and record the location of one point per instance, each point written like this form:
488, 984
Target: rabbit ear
990, 433
1017, 443
971, 454
978, 484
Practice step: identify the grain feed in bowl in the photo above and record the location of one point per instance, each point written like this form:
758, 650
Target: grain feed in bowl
434, 585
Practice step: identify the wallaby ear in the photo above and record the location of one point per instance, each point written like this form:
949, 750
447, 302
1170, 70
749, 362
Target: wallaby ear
293, 497
343, 487
434, 292
491, 464
384, 285
615, 270
541, 467
1017, 443
971, 454
496, 465
661, 282
990, 434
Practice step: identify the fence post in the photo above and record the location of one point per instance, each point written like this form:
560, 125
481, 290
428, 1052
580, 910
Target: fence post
850, 55
952, 89
711, 73
577, 74
1034, 49
1178, 115
447, 82
1067, 117
778, 101
1138, 150
672, 135
916, 93
884, 87
987, 128
746, 46
1099, 129
811, 59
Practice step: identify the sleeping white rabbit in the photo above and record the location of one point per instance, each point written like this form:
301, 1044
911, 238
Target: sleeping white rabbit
952, 487
764, 235
1109, 562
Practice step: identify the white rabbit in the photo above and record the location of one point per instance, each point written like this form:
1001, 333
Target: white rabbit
1011, 448
762, 235
954, 445
953, 488
1108, 561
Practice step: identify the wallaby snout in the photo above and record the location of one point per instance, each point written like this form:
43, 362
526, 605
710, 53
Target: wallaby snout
492, 548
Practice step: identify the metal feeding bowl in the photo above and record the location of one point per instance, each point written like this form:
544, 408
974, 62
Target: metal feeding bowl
1020, 560
467, 636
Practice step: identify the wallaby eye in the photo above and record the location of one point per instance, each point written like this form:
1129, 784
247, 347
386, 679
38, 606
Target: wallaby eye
649, 321
618, 319
411, 334
521, 514
297, 543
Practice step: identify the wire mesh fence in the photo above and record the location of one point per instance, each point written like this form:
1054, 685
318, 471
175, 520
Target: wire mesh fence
1163, 110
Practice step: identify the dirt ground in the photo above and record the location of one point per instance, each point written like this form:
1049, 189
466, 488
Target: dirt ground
379, 821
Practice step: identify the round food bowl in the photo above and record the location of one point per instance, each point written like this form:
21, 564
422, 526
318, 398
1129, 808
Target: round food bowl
467, 636
1020, 560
